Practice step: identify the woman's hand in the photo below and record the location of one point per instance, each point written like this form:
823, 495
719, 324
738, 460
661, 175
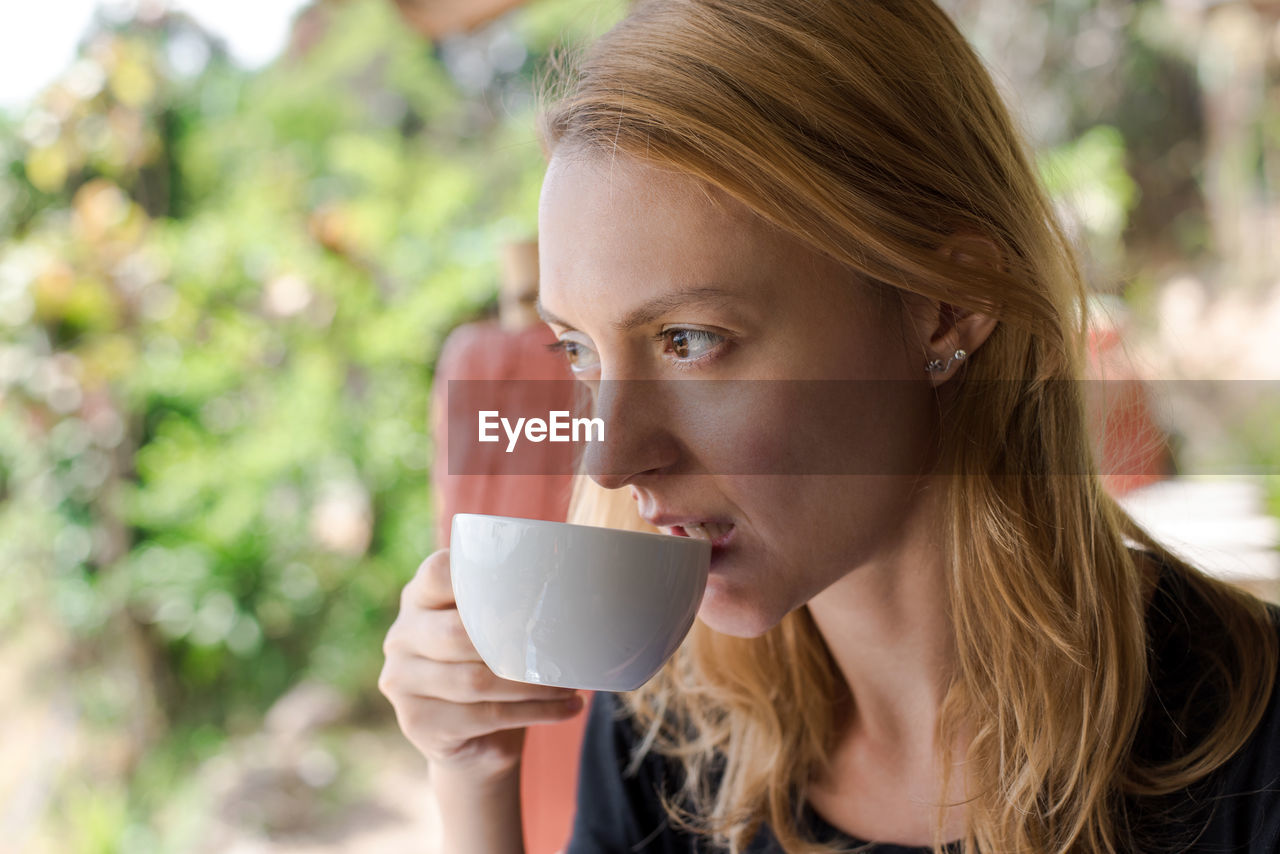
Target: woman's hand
468, 722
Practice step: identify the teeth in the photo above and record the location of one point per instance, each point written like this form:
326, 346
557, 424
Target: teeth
709, 531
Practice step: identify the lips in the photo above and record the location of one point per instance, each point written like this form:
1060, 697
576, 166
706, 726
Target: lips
709, 531
716, 532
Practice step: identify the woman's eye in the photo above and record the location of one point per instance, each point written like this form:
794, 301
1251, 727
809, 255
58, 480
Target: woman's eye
579, 356
689, 345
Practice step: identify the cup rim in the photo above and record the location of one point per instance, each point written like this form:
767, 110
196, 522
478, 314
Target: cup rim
548, 523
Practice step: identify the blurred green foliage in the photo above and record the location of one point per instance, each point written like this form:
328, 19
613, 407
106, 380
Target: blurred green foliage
1089, 179
221, 297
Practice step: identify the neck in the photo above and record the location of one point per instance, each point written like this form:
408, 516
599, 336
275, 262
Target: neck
888, 629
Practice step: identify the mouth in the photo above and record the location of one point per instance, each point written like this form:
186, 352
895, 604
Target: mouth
717, 533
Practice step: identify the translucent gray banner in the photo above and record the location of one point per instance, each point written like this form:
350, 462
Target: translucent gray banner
851, 427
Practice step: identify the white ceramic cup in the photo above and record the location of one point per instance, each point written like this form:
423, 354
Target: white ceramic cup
571, 605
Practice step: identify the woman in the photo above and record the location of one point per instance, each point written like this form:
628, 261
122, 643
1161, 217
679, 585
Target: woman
926, 625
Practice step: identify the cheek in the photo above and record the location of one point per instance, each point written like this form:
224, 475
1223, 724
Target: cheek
778, 564
802, 534
755, 427
806, 533
803, 427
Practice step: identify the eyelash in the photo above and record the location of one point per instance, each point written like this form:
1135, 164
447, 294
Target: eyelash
690, 364
561, 346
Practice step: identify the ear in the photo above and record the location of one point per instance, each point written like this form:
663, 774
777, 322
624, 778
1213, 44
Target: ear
946, 331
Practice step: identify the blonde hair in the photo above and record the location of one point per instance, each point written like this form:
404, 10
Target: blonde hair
872, 132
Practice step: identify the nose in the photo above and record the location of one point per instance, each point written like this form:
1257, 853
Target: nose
638, 439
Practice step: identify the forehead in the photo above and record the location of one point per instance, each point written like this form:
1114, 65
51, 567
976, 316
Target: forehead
606, 222
599, 185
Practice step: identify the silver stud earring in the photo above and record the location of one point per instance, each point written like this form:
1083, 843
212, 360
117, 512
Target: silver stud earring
937, 366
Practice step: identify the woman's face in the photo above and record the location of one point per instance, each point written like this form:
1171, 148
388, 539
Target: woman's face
796, 448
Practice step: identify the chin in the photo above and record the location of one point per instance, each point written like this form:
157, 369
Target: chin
725, 610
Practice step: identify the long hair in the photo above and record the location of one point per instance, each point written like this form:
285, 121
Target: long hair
871, 131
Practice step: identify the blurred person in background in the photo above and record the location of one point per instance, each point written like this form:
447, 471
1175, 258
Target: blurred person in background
507, 363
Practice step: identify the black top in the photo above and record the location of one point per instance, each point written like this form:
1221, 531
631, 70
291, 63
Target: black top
1235, 809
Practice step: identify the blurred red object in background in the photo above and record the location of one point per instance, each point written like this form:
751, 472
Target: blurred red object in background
489, 353
515, 348
436, 19
1131, 448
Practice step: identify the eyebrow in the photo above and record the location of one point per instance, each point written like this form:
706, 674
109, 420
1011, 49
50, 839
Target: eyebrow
651, 310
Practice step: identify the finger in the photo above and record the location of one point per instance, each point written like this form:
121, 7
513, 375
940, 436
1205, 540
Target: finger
432, 586
443, 636
461, 722
438, 635
468, 683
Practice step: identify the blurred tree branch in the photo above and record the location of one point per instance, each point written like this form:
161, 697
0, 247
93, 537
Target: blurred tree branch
438, 18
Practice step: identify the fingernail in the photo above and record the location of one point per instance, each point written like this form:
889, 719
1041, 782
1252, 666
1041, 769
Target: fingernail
574, 703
